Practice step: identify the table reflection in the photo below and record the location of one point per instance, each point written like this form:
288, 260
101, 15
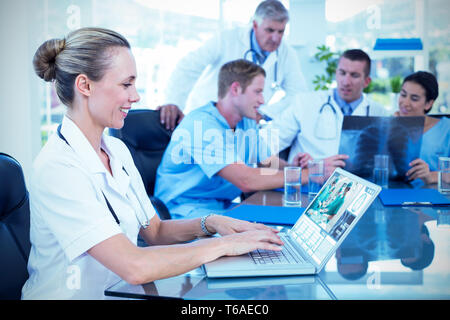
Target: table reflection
262, 288
380, 235
392, 253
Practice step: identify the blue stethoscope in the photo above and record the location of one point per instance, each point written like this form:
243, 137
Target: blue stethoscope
275, 85
321, 134
328, 103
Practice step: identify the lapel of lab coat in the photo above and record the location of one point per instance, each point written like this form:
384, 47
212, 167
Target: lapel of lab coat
86, 153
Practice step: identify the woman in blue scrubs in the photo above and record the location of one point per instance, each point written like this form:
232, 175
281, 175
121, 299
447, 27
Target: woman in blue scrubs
419, 91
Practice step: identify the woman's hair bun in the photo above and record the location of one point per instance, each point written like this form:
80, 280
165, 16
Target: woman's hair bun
44, 60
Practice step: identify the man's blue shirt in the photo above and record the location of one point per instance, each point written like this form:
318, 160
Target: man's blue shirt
344, 104
261, 55
202, 145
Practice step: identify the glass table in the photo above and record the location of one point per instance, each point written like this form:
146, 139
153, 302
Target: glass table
392, 253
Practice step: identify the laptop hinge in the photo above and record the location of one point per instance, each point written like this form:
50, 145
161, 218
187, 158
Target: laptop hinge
298, 248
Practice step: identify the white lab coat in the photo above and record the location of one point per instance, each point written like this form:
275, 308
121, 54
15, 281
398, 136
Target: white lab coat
201, 68
301, 124
69, 214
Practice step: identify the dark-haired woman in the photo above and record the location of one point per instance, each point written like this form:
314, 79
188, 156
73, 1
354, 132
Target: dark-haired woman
419, 91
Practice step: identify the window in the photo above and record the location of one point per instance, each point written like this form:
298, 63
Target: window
357, 24
160, 33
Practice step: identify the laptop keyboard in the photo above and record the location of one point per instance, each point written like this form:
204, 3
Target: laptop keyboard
284, 256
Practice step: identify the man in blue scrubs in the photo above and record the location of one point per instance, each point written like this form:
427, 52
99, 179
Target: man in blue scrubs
212, 154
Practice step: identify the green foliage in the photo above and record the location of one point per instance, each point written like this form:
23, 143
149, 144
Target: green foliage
396, 84
380, 85
324, 54
369, 88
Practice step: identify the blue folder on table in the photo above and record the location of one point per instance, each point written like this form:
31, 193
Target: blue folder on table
412, 197
266, 214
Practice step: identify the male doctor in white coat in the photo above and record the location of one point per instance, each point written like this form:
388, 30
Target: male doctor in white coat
195, 76
313, 123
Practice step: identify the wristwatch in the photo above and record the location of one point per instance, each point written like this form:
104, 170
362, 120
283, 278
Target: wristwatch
203, 225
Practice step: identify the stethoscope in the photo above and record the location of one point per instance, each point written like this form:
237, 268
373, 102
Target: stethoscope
319, 132
145, 222
275, 85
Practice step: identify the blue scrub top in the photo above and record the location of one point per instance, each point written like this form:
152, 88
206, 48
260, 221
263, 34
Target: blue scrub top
436, 143
201, 146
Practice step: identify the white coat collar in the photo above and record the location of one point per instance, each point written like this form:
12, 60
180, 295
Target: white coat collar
364, 102
80, 144
86, 153
245, 40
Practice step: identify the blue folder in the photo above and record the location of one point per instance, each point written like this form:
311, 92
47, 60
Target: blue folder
412, 197
266, 214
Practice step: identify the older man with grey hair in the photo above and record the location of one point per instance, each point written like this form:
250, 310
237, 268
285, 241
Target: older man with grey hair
193, 83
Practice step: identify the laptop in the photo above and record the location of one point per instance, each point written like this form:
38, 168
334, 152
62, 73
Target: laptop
314, 238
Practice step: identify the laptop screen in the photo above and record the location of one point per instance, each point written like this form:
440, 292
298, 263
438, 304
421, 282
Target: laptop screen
334, 210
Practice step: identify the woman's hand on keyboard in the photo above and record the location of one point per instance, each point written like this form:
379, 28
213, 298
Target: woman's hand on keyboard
225, 225
244, 242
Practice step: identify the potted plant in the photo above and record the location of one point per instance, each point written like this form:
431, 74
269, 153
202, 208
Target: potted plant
324, 54
396, 87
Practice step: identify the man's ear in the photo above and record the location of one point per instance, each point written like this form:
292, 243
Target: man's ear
235, 88
367, 81
83, 85
255, 25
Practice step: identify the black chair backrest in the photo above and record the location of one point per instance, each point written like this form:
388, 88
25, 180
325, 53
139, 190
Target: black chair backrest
284, 154
14, 228
146, 138
440, 115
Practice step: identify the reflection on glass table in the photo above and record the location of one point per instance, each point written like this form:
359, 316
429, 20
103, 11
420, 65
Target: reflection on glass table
195, 286
400, 253
392, 253
262, 288
170, 288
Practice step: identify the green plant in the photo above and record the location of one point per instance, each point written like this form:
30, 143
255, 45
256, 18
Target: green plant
396, 84
380, 85
324, 54
370, 88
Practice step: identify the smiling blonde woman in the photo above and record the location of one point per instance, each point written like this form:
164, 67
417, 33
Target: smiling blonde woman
88, 202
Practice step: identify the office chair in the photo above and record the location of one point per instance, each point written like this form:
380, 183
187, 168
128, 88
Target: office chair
441, 115
146, 138
14, 228
284, 154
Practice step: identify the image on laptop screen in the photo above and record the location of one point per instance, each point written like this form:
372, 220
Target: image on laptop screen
340, 201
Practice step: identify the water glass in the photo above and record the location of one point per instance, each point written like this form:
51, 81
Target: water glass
444, 175
381, 170
315, 176
443, 218
292, 186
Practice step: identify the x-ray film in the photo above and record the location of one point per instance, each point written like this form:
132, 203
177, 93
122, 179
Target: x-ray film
364, 137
